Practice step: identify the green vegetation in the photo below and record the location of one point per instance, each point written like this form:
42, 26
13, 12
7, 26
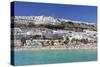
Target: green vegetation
23, 41
64, 25
52, 43
66, 40
85, 41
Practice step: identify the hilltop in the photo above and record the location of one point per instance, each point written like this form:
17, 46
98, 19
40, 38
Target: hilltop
52, 23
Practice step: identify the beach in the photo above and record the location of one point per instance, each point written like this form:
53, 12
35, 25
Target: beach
27, 55
54, 48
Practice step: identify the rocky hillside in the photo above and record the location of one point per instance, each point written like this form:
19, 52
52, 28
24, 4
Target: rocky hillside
51, 23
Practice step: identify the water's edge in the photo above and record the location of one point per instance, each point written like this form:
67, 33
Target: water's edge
53, 56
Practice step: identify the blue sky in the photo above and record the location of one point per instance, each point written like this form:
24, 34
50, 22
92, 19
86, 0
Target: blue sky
73, 12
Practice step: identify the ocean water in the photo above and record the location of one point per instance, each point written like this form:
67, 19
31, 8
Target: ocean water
53, 56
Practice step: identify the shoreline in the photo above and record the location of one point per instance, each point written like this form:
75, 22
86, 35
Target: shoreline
45, 48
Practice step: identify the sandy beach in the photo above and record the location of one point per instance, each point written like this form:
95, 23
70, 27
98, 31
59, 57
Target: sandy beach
53, 48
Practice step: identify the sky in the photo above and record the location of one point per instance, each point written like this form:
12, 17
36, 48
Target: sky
65, 11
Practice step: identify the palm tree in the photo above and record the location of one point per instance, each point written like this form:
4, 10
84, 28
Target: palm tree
23, 41
66, 40
52, 43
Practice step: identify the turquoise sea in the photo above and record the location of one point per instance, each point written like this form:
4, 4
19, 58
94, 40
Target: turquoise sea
53, 56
